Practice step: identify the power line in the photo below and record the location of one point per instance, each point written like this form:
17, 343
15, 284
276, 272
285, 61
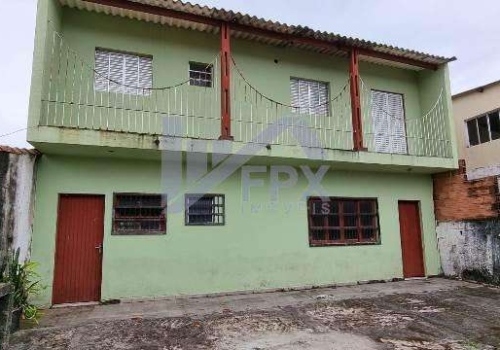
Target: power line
13, 132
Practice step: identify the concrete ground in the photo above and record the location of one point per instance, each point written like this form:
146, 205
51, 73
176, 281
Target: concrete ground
416, 314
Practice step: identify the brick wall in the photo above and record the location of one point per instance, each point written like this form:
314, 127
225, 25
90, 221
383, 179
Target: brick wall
456, 198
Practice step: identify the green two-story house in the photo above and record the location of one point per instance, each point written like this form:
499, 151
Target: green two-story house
189, 150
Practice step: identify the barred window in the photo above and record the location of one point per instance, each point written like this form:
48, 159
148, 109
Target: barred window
200, 74
342, 221
205, 209
138, 214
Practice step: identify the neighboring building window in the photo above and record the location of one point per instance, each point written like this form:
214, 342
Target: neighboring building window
138, 214
205, 209
200, 74
484, 128
309, 96
388, 118
123, 72
342, 221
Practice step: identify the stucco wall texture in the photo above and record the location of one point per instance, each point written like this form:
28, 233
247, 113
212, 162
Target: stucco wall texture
17, 170
264, 244
468, 106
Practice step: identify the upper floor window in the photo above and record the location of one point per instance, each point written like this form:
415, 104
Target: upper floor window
205, 209
342, 221
309, 96
388, 118
138, 214
124, 73
200, 74
484, 128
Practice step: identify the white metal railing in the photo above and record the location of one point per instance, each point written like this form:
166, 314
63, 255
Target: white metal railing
71, 101
256, 118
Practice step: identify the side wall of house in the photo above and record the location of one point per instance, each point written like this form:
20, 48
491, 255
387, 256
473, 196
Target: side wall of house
468, 227
263, 245
16, 202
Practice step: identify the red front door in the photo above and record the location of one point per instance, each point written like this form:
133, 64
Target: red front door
411, 239
80, 228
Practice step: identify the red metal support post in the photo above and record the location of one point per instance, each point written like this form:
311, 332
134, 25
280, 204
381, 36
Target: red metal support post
357, 126
225, 70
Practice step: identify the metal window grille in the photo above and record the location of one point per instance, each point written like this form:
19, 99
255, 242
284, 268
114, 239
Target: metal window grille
138, 214
200, 74
388, 117
123, 72
205, 209
309, 96
342, 221
483, 128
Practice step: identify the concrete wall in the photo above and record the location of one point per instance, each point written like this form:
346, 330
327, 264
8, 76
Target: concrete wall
470, 249
16, 200
467, 106
264, 243
468, 228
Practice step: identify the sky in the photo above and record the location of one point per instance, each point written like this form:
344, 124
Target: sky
469, 30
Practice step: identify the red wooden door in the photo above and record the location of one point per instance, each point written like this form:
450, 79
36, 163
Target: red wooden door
80, 228
411, 239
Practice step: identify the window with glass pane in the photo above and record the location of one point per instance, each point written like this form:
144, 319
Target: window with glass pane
309, 96
472, 132
205, 209
494, 120
483, 128
200, 74
121, 72
342, 221
138, 214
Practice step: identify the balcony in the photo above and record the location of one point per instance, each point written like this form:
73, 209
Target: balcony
71, 100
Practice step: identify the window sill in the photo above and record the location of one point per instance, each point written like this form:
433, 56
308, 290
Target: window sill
138, 233
343, 244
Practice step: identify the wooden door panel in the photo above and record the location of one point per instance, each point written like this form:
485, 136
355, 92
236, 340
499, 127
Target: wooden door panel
411, 239
80, 227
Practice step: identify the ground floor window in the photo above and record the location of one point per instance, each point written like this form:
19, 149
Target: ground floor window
138, 214
205, 209
342, 221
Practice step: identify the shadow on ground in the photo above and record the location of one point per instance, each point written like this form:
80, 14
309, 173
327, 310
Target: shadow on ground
466, 317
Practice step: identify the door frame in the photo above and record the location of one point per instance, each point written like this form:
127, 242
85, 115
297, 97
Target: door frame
422, 244
76, 194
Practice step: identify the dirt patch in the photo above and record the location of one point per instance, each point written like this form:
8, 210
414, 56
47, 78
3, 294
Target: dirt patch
461, 319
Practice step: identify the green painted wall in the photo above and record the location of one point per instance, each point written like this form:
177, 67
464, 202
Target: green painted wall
263, 244
266, 67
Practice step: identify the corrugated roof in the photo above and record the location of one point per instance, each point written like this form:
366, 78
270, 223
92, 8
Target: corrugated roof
241, 22
15, 150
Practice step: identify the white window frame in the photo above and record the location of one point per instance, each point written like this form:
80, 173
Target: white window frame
391, 147
476, 118
193, 64
301, 109
141, 84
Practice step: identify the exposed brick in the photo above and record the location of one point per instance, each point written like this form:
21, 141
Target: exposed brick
456, 198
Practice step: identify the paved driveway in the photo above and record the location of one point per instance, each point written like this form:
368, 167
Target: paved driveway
417, 314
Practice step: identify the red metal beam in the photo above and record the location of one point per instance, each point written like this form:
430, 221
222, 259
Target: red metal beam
225, 71
404, 60
357, 127
160, 11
